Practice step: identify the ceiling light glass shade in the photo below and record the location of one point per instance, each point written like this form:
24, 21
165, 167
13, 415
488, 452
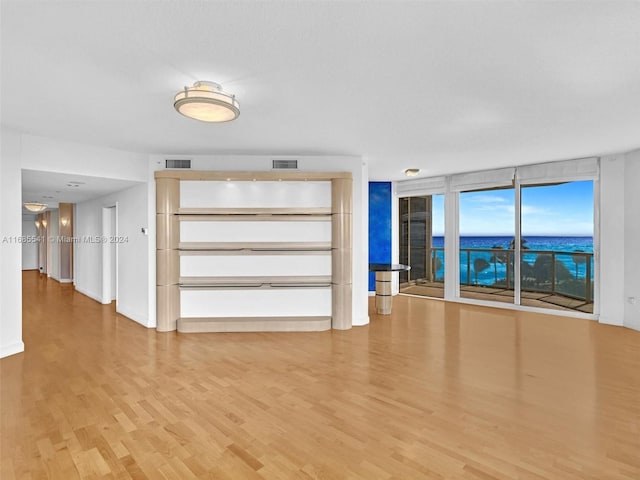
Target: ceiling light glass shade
411, 172
35, 206
206, 101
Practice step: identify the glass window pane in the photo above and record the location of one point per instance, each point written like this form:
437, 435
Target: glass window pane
437, 243
419, 229
422, 245
403, 211
557, 258
487, 219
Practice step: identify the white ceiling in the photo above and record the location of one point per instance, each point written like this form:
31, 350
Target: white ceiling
441, 86
52, 188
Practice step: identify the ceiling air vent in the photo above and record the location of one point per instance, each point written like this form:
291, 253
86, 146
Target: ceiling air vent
177, 163
285, 164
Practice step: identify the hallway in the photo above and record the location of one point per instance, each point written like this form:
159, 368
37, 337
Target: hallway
436, 390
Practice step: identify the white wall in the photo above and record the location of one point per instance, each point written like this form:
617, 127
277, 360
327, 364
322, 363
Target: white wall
113, 254
133, 251
88, 254
632, 239
612, 239
10, 250
355, 165
29, 246
53, 256
48, 155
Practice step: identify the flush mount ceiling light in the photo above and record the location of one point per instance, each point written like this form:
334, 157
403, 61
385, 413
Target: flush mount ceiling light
35, 206
411, 172
206, 101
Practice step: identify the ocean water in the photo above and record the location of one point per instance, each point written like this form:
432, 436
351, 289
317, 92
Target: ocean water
566, 247
558, 244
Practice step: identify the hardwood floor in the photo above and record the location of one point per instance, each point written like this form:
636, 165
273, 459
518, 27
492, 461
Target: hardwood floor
436, 390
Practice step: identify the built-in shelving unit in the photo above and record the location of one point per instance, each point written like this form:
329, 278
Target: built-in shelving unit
243, 251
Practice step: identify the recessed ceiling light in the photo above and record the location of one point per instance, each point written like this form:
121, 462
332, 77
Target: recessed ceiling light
411, 172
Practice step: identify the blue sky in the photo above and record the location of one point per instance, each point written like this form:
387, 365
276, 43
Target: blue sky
564, 209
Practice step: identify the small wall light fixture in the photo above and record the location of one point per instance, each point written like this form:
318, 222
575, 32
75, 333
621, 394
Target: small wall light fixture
64, 221
206, 101
411, 172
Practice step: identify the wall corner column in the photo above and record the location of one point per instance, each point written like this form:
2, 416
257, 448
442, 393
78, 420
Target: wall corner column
167, 259
65, 229
341, 252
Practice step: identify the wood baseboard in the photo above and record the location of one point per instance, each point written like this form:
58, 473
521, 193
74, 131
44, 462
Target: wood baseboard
253, 324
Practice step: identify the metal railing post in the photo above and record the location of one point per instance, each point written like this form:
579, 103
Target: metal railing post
553, 272
587, 278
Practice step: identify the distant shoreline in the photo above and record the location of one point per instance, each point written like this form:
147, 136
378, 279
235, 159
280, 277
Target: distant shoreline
557, 243
523, 236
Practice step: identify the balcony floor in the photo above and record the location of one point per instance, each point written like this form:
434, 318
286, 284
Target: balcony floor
529, 299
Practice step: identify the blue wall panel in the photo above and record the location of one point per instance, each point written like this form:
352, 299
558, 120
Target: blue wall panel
379, 226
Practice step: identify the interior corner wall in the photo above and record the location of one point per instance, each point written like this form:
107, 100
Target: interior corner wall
10, 246
151, 248
87, 252
380, 226
53, 231
612, 239
632, 240
619, 238
360, 171
133, 251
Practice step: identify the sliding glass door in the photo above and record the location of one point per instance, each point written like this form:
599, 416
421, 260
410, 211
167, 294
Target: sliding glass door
486, 244
555, 255
518, 235
557, 268
422, 245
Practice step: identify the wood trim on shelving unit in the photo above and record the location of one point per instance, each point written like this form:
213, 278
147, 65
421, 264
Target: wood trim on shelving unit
247, 280
253, 324
253, 246
341, 233
250, 176
167, 236
170, 248
257, 286
257, 217
256, 211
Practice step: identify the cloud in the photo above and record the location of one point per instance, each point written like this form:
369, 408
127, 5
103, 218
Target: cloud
530, 210
486, 199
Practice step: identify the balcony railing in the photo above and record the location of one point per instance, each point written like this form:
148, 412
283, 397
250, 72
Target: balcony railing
544, 271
